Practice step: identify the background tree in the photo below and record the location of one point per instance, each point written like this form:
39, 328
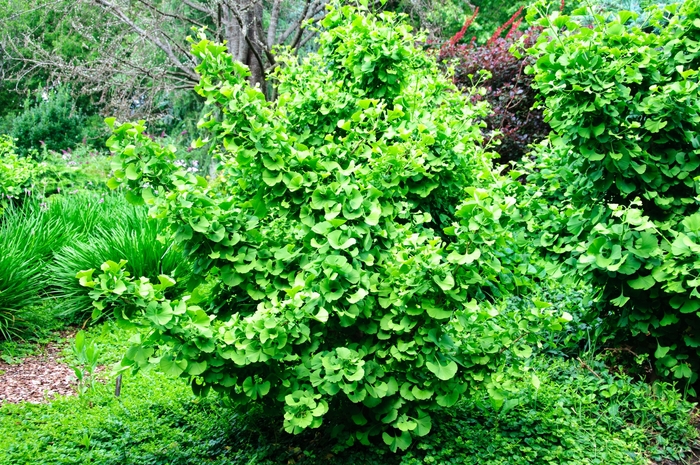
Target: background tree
129, 56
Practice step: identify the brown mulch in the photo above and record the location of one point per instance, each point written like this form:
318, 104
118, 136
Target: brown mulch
37, 378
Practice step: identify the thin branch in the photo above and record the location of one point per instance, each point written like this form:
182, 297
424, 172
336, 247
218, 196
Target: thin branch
199, 8
295, 25
305, 40
170, 15
168, 51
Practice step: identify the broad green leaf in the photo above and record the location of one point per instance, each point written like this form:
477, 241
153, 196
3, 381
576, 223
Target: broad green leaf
400, 442
172, 367
642, 282
443, 372
436, 312
661, 351
196, 368
445, 283
338, 241
690, 306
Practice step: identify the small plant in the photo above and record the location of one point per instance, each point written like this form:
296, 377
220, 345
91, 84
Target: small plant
86, 354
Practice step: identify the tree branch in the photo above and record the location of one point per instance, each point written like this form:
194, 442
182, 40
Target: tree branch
295, 25
194, 6
274, 20
170, 15
153, 39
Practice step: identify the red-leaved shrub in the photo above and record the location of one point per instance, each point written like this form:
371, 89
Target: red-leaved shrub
508, 89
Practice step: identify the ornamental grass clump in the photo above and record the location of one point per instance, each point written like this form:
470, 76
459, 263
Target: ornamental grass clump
348, 260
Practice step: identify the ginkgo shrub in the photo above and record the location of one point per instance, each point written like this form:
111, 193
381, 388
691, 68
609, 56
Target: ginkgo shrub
614, 192
348, 260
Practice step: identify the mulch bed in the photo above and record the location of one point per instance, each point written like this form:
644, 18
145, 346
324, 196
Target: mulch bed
37, 378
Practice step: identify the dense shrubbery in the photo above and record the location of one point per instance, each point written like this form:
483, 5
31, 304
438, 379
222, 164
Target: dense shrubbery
353, 252
615, 190
73, 170
52, 121
17, 174
112, 230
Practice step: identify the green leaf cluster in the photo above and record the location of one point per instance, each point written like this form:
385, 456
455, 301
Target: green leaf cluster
16, 173
614, 191
347, 258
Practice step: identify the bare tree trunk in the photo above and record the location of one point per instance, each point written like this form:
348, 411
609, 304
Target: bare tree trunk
254, 58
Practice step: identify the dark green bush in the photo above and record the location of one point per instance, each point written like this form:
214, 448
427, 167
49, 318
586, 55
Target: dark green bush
52, 121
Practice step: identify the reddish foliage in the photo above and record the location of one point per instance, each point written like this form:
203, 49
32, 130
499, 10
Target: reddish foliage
497, 33
508, 90
457, 37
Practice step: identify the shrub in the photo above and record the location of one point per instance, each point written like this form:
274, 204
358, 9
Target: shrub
353, 251
622, 168
16, 174
514, 124
52, 121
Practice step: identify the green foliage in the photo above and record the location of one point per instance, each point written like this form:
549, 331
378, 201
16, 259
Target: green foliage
128, 233
492, 14
45, 242
52, 121
574, 416
26, 242
87, 354
575, 301
352, 253
71, 171
615, 191
565, 413
16, 174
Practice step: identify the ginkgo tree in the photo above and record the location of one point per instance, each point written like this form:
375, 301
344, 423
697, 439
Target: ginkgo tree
347, 262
